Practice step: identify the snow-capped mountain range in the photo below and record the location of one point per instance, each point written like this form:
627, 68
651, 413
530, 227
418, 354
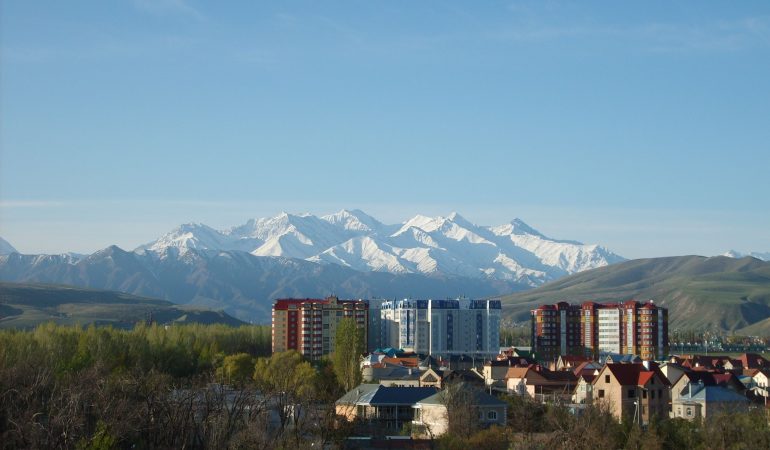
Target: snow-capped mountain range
448, 245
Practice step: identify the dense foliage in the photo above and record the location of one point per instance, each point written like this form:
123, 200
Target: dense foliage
150, 387
349, 346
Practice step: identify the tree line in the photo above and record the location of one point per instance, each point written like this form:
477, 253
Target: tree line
196, 386
186, 386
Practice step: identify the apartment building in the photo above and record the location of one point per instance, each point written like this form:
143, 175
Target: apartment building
309, 325
442, 327
556, 331
593, 329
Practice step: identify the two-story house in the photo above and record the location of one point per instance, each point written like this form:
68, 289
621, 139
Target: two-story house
632, 392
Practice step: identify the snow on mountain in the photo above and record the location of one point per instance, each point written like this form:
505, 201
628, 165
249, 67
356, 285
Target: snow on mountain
764, 256
190, 236
6, 248
356, 221
449, 245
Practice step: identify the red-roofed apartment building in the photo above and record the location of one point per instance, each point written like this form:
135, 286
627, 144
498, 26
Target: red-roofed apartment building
632, 392
309, 325
592, 329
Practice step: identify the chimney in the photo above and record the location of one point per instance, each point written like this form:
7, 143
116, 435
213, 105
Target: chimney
689, 385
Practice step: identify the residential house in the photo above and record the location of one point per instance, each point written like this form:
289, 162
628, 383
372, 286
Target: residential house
469, 377
672, 370
494, 371
541, 383
753, 361
432, 416
761, 379
700, 401
381, 409
432, 377
726, 380
632, 392
583, 393
401, 377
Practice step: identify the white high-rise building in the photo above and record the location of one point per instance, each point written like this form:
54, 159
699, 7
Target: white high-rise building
609, 330
442, 327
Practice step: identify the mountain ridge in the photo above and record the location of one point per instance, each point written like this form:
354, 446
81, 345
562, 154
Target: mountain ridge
451, 245
240, 283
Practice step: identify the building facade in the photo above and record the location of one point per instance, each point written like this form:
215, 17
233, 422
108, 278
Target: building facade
593, 329
556, 331
309, 325
442, 327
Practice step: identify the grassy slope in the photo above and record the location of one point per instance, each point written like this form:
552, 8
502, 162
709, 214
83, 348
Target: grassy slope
27, 305
701, 293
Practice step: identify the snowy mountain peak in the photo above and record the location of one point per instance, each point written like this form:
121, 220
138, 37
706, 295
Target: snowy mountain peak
764, 256
355, 220
449, 245
518, 226
6, 248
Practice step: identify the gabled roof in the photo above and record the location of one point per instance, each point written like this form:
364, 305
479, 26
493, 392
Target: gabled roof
467, 376
398, 373
519, 372
750, 372
753, 361
701, 392
477, 398
377, 395
406, 362
430, 361
401, 395
574, 359
619, 358
635, 374
358, 394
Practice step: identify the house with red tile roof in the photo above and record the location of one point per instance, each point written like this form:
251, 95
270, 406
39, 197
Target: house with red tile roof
753, 361
632, 392
540, 383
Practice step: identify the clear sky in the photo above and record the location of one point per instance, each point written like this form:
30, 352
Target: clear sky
641, 126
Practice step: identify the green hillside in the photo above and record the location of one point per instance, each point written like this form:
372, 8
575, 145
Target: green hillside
718, 293
28, 305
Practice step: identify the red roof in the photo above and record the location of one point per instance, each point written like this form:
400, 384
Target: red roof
406, 362
752, 361
635, 374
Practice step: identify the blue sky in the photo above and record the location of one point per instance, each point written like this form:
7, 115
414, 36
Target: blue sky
642, 127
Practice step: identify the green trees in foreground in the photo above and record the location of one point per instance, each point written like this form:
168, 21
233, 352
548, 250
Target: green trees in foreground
199, 386
349, 346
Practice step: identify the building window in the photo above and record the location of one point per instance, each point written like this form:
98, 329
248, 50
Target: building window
606, 378
632, 393
689, 412
492, 415
601, 393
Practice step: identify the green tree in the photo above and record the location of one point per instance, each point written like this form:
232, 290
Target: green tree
348, 348
236, 369
289, 381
